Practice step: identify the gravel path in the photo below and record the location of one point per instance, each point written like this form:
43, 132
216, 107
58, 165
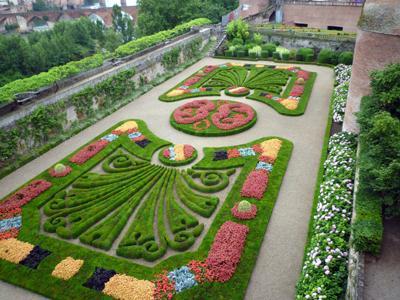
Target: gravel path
280, 257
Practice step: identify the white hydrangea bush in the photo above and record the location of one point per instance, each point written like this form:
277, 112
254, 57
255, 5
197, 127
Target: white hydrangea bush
324, 271
340, 92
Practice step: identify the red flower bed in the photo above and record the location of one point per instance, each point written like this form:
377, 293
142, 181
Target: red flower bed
166, 152
210, 68
12, 233
192, 80
89, 151
67, 170
163, 287
10, 213
255, 184
244, 215
267, 159
188, 151
199, 269
226, 250
233, 153
223, 120
24, 195
193, 111
303, 74
297, 91
257, 148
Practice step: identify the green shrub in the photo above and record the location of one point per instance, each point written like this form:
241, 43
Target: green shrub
59, 168
237, 42
276, 55
305, 54
285, 56
265, 54
241, 53
326, 56
229, 53
255, 52
271, 48
346, 58
257, 39
244, 206
292, 54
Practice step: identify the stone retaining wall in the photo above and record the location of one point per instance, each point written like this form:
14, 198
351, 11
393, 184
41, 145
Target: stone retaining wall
147, 66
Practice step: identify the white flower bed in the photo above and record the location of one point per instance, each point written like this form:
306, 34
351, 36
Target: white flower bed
343, 74
325, 267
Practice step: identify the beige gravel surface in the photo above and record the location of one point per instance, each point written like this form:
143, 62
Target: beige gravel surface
280, 257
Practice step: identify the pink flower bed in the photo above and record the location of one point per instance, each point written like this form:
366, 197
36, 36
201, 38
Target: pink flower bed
163, 287
267, 159
67, 170
199, 269
226, 250
24, 195
89, 151
188, 151
210, 68
194, 111
233, 153
257, 148
255, 184
244, 215
192, 80
297, 91
222, 118
303, 74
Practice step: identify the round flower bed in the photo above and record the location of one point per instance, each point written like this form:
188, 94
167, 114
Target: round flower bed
244, 210
237, 91
213, 117
60, 170
177, 155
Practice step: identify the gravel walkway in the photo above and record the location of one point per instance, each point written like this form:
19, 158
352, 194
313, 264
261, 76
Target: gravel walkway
279, 261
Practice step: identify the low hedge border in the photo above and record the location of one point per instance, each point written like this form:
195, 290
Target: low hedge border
41, 281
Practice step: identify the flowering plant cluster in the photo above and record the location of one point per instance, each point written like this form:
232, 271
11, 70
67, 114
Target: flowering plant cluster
325, 267
164, 287
88, 152
226, 251
244, 214
10, 223
183, 278
255, 184
232, 115
179, 152
292, 102
24, 195
188, 85
229, 115
60, 170
131, 128
340, 92
237, 91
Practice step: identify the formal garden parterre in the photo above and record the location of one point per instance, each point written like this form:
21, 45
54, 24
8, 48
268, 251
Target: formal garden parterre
285, 88
108, 197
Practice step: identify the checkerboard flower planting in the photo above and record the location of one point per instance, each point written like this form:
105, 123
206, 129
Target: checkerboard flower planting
226, 250
24, 195
179, 152
183, 278
325, 268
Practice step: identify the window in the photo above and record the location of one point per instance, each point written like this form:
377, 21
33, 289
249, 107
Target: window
338, 28
300, 25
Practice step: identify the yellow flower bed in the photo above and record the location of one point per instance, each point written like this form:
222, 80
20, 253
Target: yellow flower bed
14, 250
67, 268
127, 126
125, 287
271, 147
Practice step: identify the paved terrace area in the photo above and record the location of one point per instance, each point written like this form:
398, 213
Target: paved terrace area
280, 257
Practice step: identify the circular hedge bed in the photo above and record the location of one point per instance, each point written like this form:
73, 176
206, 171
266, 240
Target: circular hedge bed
213, 117
177, 155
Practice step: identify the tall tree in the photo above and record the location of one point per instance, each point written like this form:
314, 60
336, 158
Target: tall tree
122, 23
